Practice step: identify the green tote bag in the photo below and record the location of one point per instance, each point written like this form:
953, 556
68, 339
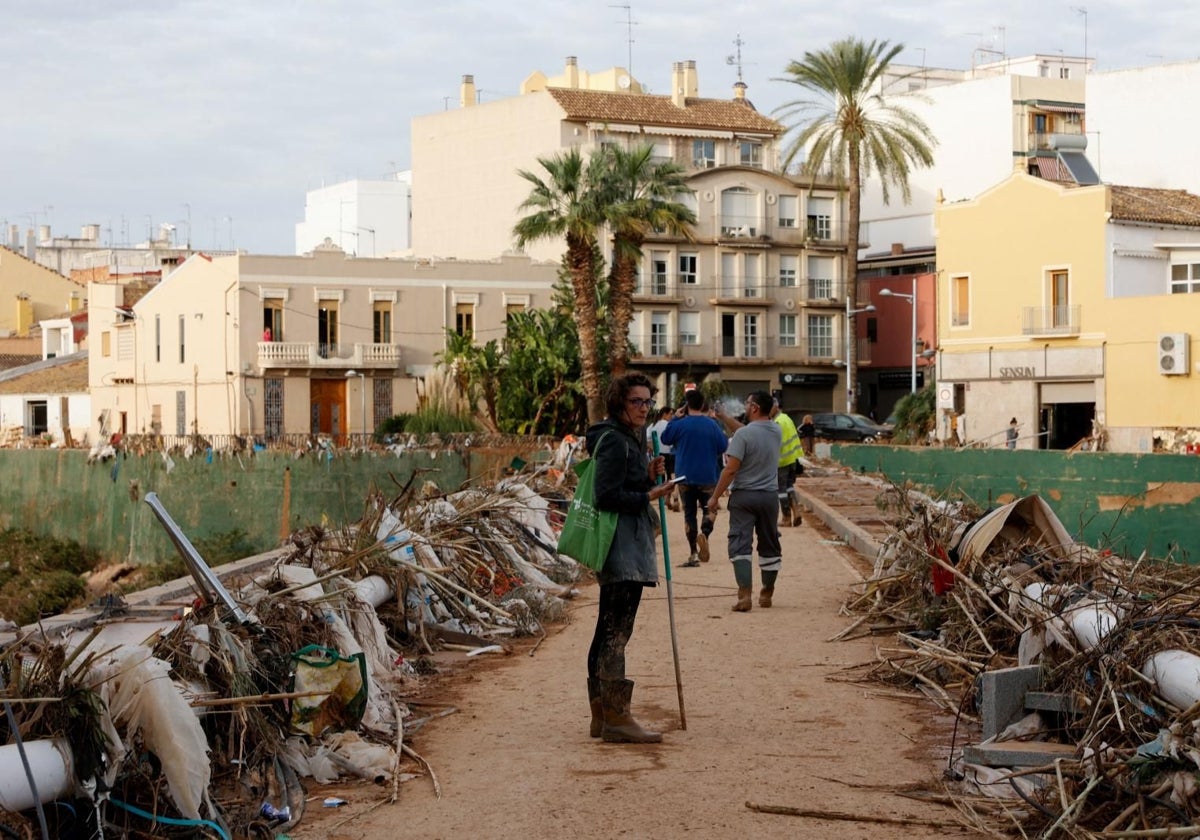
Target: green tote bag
588, 532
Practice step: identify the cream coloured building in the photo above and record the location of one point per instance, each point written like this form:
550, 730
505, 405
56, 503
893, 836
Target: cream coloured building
1072, 309
272, 346
30, 293
758, 295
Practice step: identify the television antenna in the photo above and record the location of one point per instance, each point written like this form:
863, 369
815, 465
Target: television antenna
1082, 10
736, 58
629, 24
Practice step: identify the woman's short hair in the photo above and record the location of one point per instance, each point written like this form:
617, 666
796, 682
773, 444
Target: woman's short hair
619, 389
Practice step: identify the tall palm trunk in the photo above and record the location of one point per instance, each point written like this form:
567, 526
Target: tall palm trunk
579, 259
854, 203
622, 284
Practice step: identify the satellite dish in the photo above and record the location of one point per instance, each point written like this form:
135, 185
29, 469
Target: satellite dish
623, 82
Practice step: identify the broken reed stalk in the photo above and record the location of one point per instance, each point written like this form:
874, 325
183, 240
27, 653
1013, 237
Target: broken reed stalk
399, 750
437, 788
255, 698
447, 582
816, 814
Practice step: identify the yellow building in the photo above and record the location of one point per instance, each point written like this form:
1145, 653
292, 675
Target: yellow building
30, 293
1070, 309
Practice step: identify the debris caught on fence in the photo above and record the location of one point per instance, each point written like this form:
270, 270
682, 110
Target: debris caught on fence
1001, 613
212, 716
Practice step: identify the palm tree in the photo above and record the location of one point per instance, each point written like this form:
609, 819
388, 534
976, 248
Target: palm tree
568, 202
851, 124
640, 198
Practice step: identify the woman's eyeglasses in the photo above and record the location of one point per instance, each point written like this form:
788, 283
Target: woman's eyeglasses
640, 403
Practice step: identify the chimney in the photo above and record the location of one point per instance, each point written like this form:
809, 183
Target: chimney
691, 83
739, 92
897, 249
91, 232
24, 314
14, 237
572, 72
30, 245
466, 93
677, 90
43, 234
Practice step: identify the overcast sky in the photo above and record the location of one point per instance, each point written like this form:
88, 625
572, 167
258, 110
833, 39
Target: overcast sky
131, 113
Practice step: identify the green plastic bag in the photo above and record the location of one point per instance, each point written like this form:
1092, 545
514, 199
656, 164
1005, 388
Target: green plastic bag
588, 532
337, 689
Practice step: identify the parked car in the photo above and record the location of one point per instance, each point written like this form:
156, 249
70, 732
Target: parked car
855, 427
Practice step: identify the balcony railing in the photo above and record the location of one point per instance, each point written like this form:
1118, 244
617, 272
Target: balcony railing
759, 349
1044, 140
302, 354
1050, 320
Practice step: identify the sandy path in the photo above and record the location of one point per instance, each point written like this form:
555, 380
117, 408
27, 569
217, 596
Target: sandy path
766, 723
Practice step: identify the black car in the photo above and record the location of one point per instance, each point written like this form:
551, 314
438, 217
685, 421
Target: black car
854, 427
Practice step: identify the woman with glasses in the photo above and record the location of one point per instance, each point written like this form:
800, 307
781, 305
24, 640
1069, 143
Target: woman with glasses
625, 484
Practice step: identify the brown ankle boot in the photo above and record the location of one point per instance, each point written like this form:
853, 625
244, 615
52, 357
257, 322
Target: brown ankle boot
619, 726
764, 597
743, 601
597, 726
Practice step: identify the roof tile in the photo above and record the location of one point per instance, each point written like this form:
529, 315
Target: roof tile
1147, 204
645, 109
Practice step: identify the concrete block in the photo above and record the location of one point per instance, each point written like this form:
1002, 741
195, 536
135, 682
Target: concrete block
1018, 753
1002, 696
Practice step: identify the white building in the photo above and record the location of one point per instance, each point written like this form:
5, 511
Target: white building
363, 218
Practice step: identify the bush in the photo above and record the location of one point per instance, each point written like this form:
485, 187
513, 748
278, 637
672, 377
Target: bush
916, 417
430, 420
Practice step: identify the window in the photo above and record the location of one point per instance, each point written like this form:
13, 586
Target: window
789, 210
272, 319
660, 151
689, 327
381, 324
158, 338
1041, 123
273, 408
788, 264
658, 272
787, 330
704, 154
739, 212
511, 309
687, 269
750, 153
181, 413
1059, 298
751, 281
820, 278
728, 275
37, 418
327, 328
873, 330
820, 336
960, 301
1185, 278
659, 343
106, 344
728, 319
750, 336
1064, 72
820, 218
181, 340
464, 318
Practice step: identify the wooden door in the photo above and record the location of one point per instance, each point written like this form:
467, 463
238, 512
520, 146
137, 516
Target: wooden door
327, 406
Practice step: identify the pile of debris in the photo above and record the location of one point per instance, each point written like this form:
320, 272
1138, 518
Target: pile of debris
1006, 610
210, 718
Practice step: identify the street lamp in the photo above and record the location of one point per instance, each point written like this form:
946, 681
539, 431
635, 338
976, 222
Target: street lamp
362, 392
850, 313
912, 301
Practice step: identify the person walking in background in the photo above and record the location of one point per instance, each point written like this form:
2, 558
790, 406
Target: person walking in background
625, 484
808, 435
698, 443
751, 476
665, 449
1011, 434
789, 466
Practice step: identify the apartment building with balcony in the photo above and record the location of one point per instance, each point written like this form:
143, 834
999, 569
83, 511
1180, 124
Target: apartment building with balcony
756, 296
274, 346
1072, 309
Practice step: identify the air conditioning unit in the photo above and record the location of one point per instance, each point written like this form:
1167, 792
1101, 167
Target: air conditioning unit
1173, 354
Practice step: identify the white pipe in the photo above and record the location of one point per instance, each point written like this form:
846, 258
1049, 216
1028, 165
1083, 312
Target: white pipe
1090, 623
374, 590
50, 761
1177, 674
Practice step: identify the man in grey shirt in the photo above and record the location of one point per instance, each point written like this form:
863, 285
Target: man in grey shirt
751, 475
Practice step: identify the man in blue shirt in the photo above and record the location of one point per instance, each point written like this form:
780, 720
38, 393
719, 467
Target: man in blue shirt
698, 444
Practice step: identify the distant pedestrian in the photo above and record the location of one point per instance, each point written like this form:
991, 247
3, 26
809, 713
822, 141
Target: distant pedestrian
699, 443
751, 476
808, 435
1011, 434
789, 467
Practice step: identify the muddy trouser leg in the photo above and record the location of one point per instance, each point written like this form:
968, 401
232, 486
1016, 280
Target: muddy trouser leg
614, 625
785, 477
741, 535
770, 552
691, 495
